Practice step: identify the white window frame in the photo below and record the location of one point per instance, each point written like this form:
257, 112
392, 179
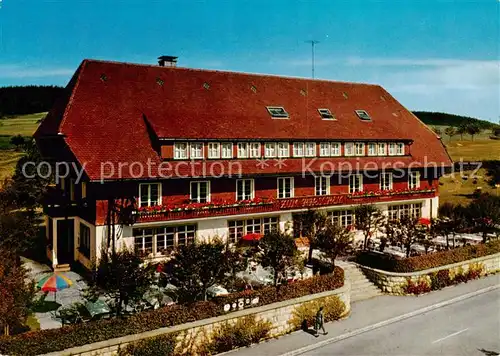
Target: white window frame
326, 114
197, 184
254, 150
349, 149
283, 116
282, 196
213, 150
392, 149
283, 149
386, 181
362, 113
310, 149
382, 149
400, 149
242, 150
359, 149
244, 183
270, 149
298, 149
372, 149
343, 218
335, 149
226, 150
353, 179
196, 150
413, 180
318, 184
179, 152
324, 149
149, 194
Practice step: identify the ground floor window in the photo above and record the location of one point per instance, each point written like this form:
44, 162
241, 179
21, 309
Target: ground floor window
163, 239
84, 243
397, 212
343, 218
239, 228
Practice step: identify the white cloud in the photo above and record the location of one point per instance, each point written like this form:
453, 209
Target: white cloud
18, 71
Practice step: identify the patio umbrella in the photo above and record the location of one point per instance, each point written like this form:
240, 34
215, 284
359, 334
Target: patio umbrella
54, 282
251, 237
424, 221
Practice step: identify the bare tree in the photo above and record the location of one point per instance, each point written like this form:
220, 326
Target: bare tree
368, 219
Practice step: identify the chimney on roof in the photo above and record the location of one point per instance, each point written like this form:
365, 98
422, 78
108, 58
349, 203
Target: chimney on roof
167, 61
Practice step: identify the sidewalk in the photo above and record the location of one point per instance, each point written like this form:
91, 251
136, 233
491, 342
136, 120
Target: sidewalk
365, 313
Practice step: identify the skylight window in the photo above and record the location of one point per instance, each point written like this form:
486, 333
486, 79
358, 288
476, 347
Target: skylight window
326, 114
277, 112
206, 85
363, 115
160, 81
253, 88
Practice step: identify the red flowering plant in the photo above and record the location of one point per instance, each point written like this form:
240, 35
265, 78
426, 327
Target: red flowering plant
378, 193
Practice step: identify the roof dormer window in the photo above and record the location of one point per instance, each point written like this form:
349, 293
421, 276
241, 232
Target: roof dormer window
277, 112
326, 114
363, 115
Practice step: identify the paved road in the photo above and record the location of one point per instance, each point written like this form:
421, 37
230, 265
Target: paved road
470, 327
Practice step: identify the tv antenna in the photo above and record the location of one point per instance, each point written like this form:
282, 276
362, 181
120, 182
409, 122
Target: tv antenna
313, 43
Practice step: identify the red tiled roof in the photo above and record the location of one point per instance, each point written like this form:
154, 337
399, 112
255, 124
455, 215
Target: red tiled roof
109, 105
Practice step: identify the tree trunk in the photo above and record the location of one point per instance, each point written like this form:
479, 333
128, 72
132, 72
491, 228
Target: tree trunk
485, 237
311, 247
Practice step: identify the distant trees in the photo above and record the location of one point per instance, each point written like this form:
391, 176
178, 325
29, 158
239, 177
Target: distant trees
450, 132
472, 130
17, 141
462, 130
20, 100
437, 130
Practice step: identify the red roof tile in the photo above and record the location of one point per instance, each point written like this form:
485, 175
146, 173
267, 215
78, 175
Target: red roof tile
109, 105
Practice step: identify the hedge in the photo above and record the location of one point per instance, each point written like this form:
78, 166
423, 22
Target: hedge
44, 341
431, 260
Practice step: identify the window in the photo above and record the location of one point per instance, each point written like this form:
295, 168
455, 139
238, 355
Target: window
359, 149
270, 149
355, 183
244, 189
414, 180
84, 190
322, 185
349, 149
298, 149
236, 230
180, 150
239, 228
277, 112
324, 149
397, 212
227, 150
213, 150
400, 149
372, 149
285, 187
242, 150
84, 244
143, 241
283, 149
310, 149
200, 191
255, 150
335, 149
196, 150
344, 218
326, 114
382, 149
363, 115
149, 194
163, 239
392, 149
386, 181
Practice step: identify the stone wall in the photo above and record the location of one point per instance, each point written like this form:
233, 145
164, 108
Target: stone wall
281, 315
393, 282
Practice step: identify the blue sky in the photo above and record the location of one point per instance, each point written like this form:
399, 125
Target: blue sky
431, 55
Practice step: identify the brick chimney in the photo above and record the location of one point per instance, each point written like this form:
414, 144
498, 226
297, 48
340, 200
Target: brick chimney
167, 61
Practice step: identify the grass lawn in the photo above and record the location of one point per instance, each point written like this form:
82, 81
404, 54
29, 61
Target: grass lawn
8, 160
24, 125
477, 150
32, 322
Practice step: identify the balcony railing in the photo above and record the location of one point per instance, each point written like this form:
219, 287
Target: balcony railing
223, 208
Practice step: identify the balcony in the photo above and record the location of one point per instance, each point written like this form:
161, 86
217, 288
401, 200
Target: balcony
262, 205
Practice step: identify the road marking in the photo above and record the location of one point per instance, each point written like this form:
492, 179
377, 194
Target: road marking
451, 335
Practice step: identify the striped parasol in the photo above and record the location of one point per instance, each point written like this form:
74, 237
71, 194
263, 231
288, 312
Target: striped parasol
54, 282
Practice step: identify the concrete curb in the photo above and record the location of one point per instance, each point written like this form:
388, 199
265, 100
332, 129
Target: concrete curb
389, 321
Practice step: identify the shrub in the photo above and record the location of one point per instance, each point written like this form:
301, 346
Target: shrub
305, 314
440, 279
161, 345
245, 332
419, 287
419, 263
45, 341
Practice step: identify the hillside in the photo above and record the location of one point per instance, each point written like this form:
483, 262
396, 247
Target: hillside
21, 100
443, 119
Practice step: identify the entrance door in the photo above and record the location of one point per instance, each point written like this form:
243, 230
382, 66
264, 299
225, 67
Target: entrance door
65, 241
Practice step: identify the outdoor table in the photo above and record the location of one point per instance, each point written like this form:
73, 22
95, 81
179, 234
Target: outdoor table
97, 309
